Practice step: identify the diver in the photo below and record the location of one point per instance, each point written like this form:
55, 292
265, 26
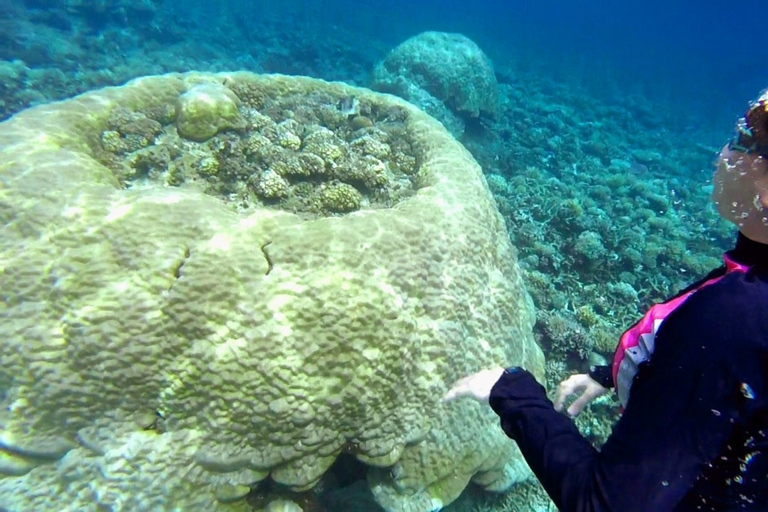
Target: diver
691, 375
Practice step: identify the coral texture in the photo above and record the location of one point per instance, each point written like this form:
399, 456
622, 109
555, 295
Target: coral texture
205, 110
447, 75
163, 349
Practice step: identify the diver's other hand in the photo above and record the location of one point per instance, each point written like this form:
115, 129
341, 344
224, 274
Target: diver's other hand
581, 384
477, 386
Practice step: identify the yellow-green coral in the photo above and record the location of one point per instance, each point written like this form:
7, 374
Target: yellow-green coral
110, 139
205, 110
128, 131
404, 162
312, 164
360, 122
339, 198
298, 138
368, 171
285, 134
208, 165
271, 185
262, 343
256, 120
287, 164
255, 142
281, 157
375, 175
323, 143
368, 145
586, 315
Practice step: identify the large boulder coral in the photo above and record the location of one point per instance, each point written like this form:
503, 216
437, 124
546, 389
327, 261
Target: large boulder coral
166, 347
447, 75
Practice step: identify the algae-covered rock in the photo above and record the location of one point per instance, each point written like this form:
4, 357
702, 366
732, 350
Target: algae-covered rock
165, 348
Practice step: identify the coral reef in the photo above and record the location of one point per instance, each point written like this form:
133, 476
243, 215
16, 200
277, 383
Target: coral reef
576, 171
526, 497
603, 226
446, 75
300, 153
55, 49
597, 247
168, 347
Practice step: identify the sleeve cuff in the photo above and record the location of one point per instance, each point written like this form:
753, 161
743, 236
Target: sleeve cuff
515, 388
602, 375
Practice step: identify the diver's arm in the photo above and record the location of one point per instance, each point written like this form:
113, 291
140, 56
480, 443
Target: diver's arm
679, 416
550, 442
648, 463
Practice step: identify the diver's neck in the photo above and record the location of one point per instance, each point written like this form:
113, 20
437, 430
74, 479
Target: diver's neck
749, 250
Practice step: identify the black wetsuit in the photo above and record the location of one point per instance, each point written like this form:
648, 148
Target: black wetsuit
694, 434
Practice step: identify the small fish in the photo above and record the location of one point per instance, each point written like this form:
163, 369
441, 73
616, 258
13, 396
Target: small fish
349, 106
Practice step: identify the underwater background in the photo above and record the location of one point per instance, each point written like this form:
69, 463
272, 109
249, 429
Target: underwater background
597, 145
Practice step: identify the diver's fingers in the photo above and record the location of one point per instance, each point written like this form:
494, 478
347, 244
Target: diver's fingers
568, 387
591, 391
460, 388
560, 398
477, 385
579, 404
455, 392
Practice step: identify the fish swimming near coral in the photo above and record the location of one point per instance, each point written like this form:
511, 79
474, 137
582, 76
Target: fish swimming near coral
349, 106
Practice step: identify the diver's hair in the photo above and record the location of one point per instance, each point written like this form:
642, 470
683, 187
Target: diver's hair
752, 128
757, 119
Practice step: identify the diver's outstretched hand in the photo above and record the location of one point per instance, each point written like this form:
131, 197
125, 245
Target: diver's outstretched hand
477, 386
582, 384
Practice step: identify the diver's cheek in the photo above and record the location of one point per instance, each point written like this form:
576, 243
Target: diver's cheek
760, 176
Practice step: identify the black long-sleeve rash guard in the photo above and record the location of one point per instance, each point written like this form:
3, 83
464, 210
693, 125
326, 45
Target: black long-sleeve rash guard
694, 434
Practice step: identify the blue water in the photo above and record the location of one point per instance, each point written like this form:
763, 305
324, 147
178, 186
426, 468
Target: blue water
701, 63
